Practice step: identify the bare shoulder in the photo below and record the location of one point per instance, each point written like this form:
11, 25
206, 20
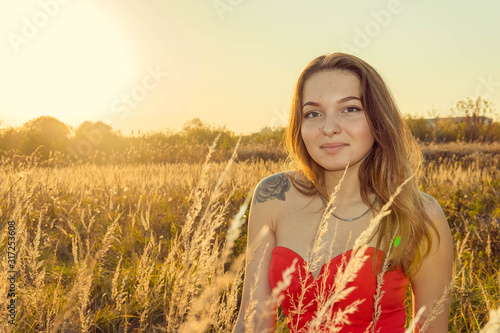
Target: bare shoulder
433, 209
274, 187
438, 218
431, 282
270, 199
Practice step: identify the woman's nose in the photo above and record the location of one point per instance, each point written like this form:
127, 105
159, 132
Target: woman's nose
331, 125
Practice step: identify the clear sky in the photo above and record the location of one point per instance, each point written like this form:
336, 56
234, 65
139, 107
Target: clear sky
150, 65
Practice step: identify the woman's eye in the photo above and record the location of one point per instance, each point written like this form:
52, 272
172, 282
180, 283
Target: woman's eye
351, 109
312, 114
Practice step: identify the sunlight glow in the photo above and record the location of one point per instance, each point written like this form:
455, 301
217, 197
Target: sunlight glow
72, 69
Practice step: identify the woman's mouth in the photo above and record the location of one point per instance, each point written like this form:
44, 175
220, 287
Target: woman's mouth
333, 147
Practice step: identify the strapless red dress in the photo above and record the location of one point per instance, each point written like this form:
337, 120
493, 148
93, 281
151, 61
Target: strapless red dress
392, 316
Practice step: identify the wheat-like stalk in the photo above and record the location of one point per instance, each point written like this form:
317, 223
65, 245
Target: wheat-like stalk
4, 289
493, 324
299, 305
226, 317
144, 272
91, 197
36, 292
313, 255
377, 309
414, 321
54, 304
340, 318
437, 308
235, 228
197, 205
198, 308
84, 283
353, 266
251, 310
84, 279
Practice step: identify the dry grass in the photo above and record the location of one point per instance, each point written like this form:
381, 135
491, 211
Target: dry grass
158, 247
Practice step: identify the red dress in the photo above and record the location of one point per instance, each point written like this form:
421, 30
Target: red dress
392, 311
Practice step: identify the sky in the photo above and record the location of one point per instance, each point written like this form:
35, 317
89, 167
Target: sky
152, 65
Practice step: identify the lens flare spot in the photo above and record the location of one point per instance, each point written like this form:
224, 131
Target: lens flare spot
397, 240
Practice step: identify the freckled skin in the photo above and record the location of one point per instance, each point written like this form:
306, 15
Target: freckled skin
332, 120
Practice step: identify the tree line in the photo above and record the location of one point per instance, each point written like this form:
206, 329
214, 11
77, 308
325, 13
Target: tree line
96, 142
470, 121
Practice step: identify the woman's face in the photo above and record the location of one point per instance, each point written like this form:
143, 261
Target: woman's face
334, 126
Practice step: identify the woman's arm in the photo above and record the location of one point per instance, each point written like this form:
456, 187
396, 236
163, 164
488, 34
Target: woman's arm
432, 281
257, 313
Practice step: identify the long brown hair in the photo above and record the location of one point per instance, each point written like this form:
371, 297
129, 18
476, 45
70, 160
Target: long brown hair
395, 156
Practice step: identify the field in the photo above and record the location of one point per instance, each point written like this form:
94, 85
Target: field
157, 247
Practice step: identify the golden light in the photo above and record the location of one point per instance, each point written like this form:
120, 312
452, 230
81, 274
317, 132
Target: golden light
70, 61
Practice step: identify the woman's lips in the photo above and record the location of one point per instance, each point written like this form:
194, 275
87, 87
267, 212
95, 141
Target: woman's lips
332, 147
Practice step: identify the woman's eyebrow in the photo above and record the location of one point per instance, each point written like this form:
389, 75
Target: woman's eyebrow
342, 100
310, 103
348, 98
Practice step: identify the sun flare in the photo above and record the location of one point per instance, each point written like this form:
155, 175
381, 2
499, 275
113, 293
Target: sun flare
70, 63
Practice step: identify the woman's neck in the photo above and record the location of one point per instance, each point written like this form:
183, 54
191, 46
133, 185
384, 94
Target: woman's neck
349, 191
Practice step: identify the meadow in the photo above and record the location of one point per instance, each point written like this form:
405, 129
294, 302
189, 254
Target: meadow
132, 247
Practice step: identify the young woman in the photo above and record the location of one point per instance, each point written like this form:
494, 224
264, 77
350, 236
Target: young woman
345, 128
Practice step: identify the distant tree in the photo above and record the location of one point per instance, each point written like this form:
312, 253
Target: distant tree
196, 131
267, 135
446, 130
95, 136
477, 122
44, 131
11, 138
420, 128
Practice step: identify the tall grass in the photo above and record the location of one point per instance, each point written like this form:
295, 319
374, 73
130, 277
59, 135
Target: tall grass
158, 247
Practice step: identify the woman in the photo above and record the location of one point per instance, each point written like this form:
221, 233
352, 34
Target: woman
347, 138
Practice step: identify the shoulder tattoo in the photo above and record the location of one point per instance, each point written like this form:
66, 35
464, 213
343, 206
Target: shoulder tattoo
273, 187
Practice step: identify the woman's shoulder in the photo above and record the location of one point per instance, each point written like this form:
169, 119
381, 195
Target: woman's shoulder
274, 196
432, 206
274, 187
436, 215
